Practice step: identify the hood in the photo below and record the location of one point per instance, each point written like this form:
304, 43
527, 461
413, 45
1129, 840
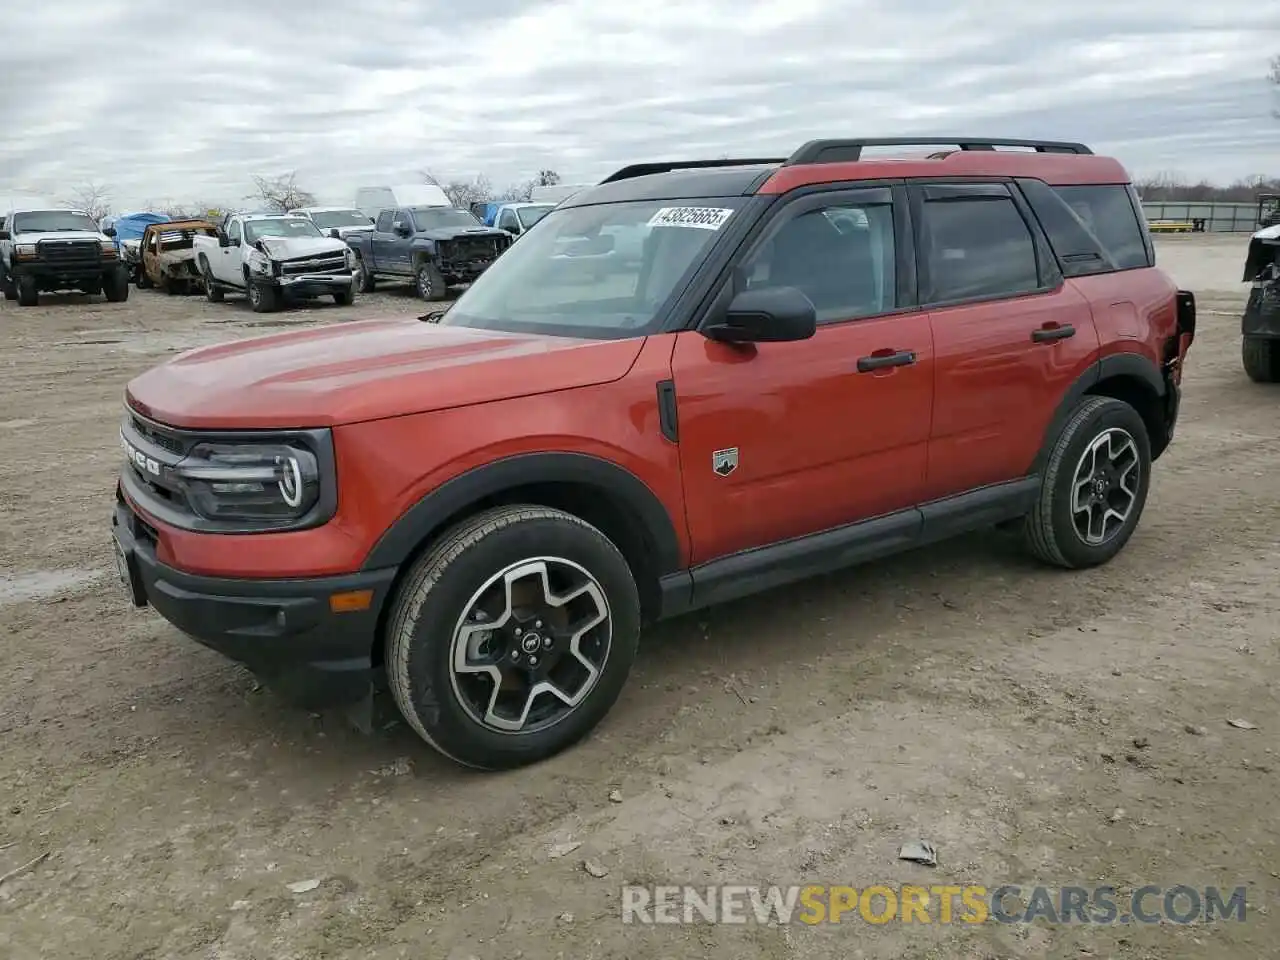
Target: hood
346, 373
60, 235
286, 248
359, 228
453, 233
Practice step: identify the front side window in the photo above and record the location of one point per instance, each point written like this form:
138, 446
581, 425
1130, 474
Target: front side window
52, 221
281, 227
385, 219
841, 257
603, 271
977, 247
1108, 213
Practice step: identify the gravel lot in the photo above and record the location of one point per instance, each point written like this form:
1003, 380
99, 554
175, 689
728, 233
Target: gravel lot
1036, 726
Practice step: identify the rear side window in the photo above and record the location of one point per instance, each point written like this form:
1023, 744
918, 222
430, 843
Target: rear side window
1107, 211
978, 247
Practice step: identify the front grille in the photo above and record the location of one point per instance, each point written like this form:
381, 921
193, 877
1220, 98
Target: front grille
336, 264
159, 437
59, 251
466, 249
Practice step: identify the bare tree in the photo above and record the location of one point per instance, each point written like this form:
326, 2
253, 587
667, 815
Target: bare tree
1171, 187
281, 192
462, 193
546, 178
93, 198
1274, 76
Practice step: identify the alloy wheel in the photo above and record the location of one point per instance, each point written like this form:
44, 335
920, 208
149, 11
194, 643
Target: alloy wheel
530, 645
1104, 488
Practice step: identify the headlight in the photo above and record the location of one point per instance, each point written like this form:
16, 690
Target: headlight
108, 248
25, 249
351, 259
250, 481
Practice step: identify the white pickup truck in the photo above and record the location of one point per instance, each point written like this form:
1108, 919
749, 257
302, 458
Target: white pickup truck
274, 259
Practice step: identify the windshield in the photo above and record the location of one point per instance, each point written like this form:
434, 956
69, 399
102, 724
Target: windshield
328, 219
602, 271
282, 227
52, 221
432, 218
531, 215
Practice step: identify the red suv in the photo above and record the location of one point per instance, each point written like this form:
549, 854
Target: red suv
691, 382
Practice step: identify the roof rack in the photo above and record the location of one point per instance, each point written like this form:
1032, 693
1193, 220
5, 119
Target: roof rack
644, 169
848, 151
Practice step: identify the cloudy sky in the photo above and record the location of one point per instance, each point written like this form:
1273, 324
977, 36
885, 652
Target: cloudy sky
183, 102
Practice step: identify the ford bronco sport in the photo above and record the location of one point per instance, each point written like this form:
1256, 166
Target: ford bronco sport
817, 360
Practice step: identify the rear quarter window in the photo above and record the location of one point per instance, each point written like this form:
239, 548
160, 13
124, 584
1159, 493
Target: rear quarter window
1109, 213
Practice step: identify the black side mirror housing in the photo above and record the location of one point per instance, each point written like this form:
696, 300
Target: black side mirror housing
335, 234
109, 232
766, 315
4, 235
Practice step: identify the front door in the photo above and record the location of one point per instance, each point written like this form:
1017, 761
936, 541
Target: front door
779, 440
1010, 336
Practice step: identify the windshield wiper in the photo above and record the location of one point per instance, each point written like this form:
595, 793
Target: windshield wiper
434, 316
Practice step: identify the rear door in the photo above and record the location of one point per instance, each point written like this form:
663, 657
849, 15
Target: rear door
779, 440
1010, 336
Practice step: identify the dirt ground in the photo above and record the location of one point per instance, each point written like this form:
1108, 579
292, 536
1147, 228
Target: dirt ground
1036, 726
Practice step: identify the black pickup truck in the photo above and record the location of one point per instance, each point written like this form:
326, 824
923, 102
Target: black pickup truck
436, 247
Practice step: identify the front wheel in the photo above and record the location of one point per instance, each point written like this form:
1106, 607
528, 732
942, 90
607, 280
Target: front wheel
1094, 486
115, 284
430, 283
1261, 357
262, 298
345, 297
511, 638
362, 277
28, 292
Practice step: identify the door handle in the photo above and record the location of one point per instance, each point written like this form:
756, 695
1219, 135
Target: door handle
1048, 334
886, 358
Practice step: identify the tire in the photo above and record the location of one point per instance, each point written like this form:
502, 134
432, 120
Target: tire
450, 709
262, 298
1051, 530
10, 289
115, 284
346, 297
144, 280
1261, 358
212, 292
363, 279
28, 292
429, 282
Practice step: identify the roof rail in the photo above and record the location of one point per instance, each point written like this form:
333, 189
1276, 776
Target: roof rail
644, 169
848, 151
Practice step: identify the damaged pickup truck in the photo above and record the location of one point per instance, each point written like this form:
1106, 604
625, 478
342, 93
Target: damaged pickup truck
1260, 325
436, 247
274, 260
167, 256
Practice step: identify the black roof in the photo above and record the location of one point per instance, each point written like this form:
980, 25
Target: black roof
683, 184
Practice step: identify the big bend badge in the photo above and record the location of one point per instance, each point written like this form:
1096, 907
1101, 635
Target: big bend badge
725, 461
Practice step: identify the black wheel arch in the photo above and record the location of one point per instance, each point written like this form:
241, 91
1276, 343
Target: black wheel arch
1130, 377
606, 495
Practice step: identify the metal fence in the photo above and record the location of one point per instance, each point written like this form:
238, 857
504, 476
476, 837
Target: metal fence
1217, 217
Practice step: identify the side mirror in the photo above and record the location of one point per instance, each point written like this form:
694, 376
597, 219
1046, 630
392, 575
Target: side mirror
109, 232
400, 228
335, 234
4, 235
767, 315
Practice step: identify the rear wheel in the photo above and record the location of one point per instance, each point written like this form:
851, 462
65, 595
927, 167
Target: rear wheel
1094, 487
212, 292
362, 277
512, 636
28, 292
1261, 358
115, 284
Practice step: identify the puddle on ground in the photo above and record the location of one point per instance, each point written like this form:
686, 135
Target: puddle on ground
44, 584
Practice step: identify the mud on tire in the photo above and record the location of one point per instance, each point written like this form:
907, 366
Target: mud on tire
475, 608
1094, 486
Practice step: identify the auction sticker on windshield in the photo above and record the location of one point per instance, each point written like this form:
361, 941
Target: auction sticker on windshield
702, 218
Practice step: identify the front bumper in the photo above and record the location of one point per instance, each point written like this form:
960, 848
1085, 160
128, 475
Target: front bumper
51, 273
285, 631
309, 284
